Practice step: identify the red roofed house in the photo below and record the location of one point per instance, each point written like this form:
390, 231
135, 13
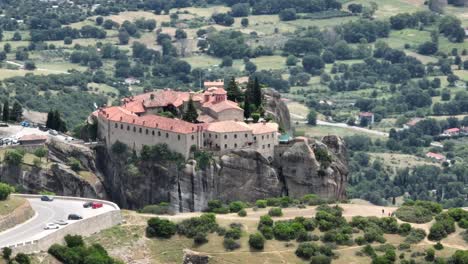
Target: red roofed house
366, 117
32, 139
436, 156
412, 122
136, 123
215, 84
452, 131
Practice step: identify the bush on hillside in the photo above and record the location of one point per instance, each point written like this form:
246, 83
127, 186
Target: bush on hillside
242, 213
276, 211
236, 206
158, 227
206, 223
162, 208
256, 241
234, 233
230, 244
415, 236
414, 214
74, 241
261, 203
5, 191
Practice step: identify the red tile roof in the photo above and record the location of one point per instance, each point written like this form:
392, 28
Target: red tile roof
134, 106
228, 126
366, 114
163, 98
263, 128
119, 114
452, 130
435, 156
32, 137
221, 106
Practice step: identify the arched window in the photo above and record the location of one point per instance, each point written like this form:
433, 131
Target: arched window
121, 126
235, 145
225, 136
116, 125
159, 133
178, 137
225, 146
235, 135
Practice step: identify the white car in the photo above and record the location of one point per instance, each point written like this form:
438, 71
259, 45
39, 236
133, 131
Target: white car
61, 222
53, 132
51, 226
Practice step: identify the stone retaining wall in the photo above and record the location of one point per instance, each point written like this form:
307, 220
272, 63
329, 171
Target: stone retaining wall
18, 216
83, 227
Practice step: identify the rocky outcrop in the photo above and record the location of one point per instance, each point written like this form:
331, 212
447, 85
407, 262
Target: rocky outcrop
192, 257
238, 175
276, 107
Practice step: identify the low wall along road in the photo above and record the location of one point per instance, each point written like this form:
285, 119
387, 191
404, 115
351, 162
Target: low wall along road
31, 237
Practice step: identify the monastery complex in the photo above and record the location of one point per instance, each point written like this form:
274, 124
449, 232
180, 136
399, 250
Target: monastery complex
137, 122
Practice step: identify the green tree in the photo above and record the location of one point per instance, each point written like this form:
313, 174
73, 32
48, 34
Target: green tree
6, 111
13, 157
190, 114
6, 252
17, 112
158, 227
256, 241
257, 93
5, 191
245, 22
233, 91
312, 117
40, 152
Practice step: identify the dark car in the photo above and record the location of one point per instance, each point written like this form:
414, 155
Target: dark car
74, 217
46, 198
43, 128
88, 204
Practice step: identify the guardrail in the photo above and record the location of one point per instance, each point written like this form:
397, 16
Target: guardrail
84, 227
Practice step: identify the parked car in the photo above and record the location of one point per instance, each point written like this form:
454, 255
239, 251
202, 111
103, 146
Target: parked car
61, 222
96, 205
43, 128
3, 124
53, 132
88, 204
51, 226
74, 217
25, 124
46, 198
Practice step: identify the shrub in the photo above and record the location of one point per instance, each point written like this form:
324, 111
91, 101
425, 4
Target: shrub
265, 220
159, 209
230, 244
206, 223
438, 246
74, 164
320, 259
360, 240
5, 191
6, 252
307, 250
430, 254
256, 241
261, 203
415, 236
22, 258
309, 224
404, 246
287, 230
13, 157
311, 199
369, 251
414, 214
158, 227
242, 213
234, 233
221, 231
457, 214
276, 211
236, 206
267, 232
404, 229
200, 238
273, 201
74, 241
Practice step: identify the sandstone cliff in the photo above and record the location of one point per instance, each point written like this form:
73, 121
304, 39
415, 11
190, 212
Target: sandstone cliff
278, 109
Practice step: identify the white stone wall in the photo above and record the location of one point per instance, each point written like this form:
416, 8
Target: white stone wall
224, 141
265, 143
230, 114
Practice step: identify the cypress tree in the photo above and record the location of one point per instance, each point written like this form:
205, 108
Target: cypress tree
6, 111
256, 93
191, 114
50, 118
248, 98
233, 91
16, 112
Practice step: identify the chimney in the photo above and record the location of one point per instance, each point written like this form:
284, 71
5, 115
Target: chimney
120, 119
133, 120
143, 122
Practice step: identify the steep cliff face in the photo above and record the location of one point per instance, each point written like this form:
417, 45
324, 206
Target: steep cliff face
277, 108
239, 175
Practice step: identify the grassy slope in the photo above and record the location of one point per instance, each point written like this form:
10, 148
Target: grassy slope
10, 205
128, 241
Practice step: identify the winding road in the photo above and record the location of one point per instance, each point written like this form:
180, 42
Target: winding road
47, 212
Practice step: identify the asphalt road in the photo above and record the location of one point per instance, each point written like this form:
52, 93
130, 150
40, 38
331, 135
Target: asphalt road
47, 212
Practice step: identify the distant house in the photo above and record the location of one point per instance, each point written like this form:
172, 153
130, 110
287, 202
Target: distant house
412, 122
131, 81
33, 139
242, 80
436, 156
367, 117
215, 84
452, 131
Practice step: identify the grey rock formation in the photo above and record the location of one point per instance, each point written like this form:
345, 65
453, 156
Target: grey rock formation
278, 109
192, 257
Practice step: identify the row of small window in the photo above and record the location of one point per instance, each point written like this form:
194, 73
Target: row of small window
246, 136
140, 130
235, 146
